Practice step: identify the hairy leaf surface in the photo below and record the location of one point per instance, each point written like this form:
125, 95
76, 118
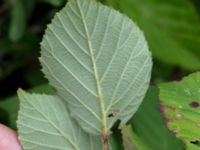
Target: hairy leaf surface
99, 62
44, 123
181, 107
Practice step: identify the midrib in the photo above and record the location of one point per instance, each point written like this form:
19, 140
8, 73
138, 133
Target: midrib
99, 92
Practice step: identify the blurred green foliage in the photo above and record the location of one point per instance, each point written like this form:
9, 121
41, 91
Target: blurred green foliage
144, 128
22, 24
171, 27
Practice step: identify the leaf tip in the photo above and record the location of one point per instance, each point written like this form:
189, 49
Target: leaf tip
20, 91
21, 94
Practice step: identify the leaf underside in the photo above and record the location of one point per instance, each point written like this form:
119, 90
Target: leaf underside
181, 107
44, 124
98, 61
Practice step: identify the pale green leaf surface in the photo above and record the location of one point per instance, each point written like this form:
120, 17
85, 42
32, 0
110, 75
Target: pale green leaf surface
171, 27
181, 107
44, 123
99, 62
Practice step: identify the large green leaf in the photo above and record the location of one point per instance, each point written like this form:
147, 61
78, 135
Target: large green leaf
147, 130
181, 107
44, 123
99, 62
171, 26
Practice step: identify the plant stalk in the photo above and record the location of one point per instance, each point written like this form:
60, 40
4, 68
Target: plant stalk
105, 141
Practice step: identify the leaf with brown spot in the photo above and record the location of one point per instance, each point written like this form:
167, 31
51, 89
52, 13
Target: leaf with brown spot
184, 97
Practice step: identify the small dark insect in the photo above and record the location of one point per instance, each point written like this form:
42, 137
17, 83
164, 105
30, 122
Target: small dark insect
113, 113
110, 115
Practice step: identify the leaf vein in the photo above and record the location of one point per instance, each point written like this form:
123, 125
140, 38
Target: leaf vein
71, 93
74, 76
